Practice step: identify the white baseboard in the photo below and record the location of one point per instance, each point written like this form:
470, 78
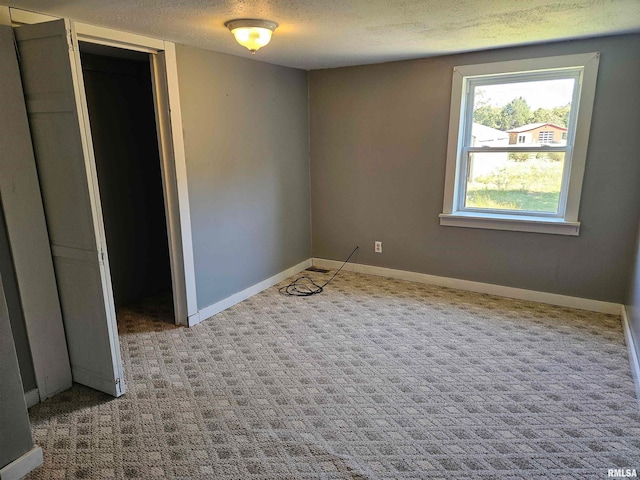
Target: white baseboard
218, 307
32, 397
23, 465
479, 287
633, 352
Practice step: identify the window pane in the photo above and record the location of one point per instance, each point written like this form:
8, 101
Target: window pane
515, 181
525, 114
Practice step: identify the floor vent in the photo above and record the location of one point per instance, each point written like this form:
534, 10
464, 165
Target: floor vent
318, 270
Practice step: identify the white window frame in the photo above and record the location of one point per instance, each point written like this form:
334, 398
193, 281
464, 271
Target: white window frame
565, 222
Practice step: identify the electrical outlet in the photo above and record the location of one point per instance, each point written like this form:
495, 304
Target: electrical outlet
377, 247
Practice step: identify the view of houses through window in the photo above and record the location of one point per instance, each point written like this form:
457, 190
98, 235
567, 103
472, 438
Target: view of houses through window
525, 121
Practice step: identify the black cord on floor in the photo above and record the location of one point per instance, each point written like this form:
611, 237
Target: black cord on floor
305, 287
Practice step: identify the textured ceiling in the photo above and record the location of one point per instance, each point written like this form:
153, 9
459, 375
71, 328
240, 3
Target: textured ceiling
317, 34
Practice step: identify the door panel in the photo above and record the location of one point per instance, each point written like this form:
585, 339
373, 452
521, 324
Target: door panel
63, 184
52, 81
28, 241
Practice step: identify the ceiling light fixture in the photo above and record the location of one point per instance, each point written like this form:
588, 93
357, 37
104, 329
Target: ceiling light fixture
251, 33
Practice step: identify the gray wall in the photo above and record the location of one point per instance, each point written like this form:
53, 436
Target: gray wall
123, 128
378, 149
633, 300
247, 149
15, 432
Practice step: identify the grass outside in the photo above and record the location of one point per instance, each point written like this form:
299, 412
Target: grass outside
531, 185
514, 200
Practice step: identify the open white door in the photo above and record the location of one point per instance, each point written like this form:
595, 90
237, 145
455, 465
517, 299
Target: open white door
56, 106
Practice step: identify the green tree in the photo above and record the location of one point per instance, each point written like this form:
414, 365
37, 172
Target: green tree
515, 114
488, 116
557, 115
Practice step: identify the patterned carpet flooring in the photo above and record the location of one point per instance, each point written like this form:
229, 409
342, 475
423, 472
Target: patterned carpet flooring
372, 379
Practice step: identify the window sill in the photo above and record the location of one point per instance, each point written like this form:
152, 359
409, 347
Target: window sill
514, 223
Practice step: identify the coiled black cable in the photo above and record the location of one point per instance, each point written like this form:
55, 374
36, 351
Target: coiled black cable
305, 286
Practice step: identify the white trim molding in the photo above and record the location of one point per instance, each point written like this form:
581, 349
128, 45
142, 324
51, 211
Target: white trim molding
118, 39
218, 307
181, 185
478, 287
633, 351
510, 222
21, 466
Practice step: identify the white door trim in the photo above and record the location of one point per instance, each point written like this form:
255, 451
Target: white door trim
115, 38
173, 161
174, 177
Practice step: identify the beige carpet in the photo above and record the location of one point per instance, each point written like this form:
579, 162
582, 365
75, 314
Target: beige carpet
372, 379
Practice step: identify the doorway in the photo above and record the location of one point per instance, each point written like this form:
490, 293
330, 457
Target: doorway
119, 93
84, 343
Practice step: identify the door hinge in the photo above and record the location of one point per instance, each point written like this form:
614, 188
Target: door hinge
101, 255
70, 40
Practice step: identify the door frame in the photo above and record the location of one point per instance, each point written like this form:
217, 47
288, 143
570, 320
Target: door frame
164, 74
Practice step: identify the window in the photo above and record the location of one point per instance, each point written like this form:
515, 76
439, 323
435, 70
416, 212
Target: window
524, 180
